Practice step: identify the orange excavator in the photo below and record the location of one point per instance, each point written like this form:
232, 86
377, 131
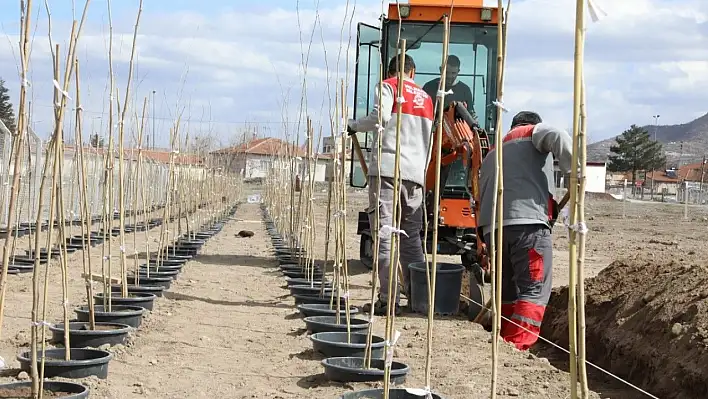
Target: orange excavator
466, 119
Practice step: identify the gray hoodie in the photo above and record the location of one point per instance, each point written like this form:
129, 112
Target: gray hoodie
528, 174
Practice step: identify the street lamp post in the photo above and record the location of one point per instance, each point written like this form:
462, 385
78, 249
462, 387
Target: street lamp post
656, 128
153, 119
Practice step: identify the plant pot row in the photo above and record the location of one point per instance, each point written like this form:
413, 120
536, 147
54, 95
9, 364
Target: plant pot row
112, 325
343, 344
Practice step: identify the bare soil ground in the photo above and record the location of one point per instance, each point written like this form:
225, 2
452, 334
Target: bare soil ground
227, 327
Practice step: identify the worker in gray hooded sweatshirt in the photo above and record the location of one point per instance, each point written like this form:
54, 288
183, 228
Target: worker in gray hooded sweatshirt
416, 129
529, 206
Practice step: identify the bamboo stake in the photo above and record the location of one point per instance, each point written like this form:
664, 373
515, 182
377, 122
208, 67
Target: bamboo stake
377, 209
582, 369
573, 244
22, 123
108, 175
85, 215
138, 181
121, 155
390, 311
498, 211
432, 269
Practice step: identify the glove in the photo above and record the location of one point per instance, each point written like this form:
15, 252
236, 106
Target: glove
554, 210
350, 131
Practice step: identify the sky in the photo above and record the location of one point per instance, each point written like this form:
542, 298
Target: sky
230, 66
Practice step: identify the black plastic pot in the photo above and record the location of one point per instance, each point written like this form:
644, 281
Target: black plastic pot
154, 281
168, 261
21, 267
335, 344
84, 362
162, 273
302, 299
316, 276
297, 268
323, 309
305, 281
150, 289
317, 324
163, 267
81, 335
448, 284
176, 255
23, 390
142, 299
378, 393
306, 290
120, 314
353, 369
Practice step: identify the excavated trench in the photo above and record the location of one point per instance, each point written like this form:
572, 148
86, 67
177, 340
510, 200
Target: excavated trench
646, 323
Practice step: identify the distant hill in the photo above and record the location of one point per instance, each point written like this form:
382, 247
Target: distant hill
694, 136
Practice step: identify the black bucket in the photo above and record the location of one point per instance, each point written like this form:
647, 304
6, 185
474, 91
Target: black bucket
447, 288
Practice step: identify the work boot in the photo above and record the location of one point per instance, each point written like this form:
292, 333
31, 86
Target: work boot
380, 308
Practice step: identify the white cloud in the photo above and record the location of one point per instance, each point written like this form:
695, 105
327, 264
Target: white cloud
646, 57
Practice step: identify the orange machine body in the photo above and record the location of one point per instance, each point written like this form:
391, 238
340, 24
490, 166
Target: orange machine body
469, 11
468, 143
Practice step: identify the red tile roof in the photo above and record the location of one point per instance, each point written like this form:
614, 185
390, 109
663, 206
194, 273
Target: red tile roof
264, 146
159, 156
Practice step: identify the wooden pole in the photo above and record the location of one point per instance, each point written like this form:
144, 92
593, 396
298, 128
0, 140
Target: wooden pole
22, 123
390, 307
432, 267
573, 244
496, 234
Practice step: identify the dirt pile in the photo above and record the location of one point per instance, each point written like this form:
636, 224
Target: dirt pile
647, 323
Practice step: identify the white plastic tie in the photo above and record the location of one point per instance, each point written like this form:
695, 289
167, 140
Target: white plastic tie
425, 392
389, 347
387, 230
340, 213
401, 100
345, 295
25, 83
122, 249
500, 105
63, 93
444, 93
41, 323
579, 227
175, 151
380, 128
80, 108
596, 12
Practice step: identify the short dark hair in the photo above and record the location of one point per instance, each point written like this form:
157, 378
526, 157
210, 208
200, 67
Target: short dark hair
453, 60
526, 118
408, 64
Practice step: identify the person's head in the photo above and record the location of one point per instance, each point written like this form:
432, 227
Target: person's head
526, 118
452, 70
408, 66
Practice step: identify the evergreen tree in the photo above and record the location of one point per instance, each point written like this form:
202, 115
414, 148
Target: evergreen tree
96, 141
635, 151
7, 115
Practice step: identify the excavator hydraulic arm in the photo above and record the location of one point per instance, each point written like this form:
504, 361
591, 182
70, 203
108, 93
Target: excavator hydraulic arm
462, 138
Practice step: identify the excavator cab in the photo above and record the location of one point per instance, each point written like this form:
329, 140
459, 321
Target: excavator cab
473, 41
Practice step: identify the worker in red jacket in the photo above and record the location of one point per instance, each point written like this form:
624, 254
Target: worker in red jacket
416, 130
529, 208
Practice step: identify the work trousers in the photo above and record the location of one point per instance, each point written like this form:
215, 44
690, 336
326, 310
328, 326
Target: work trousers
410, 247
527, 263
